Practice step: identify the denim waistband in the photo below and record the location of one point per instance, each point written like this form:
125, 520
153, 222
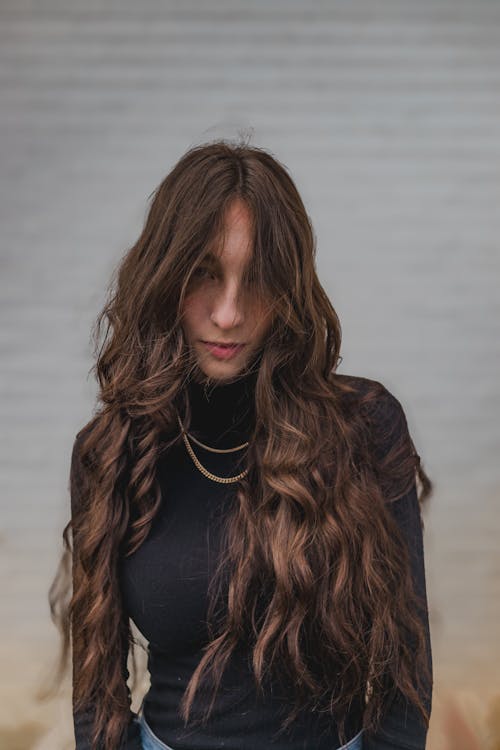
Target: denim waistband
148, 738
355, 743
151, 742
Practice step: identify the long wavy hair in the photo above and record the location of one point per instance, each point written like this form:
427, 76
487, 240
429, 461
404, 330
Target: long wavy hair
319, 581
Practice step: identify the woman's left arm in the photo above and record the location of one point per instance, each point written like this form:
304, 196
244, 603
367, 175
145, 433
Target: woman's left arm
402, 727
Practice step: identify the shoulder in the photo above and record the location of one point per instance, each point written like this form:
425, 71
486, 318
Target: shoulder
79, 466
80, 450
380, 417
370, 398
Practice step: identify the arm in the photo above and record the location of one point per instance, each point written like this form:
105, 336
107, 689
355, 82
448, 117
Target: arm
402, 727
83, 721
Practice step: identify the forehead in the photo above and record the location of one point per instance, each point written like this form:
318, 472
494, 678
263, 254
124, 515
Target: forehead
232, 247
234, 240
232, 256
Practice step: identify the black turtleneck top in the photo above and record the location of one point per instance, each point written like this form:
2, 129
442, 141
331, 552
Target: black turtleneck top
164, 587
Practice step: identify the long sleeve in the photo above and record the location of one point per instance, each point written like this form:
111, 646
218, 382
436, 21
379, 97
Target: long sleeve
83, 721
402, 726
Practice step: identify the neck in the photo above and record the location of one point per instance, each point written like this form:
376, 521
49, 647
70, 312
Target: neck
222, 412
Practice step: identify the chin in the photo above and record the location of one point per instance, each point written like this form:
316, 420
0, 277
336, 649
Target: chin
222, 370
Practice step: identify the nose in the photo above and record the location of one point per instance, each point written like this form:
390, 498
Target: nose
227, 311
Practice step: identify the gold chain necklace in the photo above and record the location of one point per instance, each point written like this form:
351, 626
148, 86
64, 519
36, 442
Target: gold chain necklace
200, 467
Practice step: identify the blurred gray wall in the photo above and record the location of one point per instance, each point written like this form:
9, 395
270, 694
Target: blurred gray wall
387, 115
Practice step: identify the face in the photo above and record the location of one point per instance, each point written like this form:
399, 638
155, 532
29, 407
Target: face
218, 307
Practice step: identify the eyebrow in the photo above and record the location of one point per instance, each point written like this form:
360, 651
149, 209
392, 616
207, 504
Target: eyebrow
210, 256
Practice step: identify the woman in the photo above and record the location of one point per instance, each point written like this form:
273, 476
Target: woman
254, 512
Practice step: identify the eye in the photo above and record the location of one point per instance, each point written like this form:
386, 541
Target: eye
202, 272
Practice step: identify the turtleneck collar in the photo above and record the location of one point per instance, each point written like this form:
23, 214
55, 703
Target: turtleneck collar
222, 413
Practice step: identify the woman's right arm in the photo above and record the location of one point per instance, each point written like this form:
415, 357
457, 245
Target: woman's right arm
83, 721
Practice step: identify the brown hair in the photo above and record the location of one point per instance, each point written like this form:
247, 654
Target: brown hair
320, 584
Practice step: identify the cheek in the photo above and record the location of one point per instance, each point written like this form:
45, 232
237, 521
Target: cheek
265, 308
263, 318
192, 310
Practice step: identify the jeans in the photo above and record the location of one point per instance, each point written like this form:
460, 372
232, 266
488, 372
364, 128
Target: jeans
151, 742
355, 743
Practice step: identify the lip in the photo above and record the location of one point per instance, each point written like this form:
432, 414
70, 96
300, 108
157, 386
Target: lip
223, 352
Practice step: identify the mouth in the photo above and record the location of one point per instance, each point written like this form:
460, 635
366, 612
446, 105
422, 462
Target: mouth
224, 344
223, 350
